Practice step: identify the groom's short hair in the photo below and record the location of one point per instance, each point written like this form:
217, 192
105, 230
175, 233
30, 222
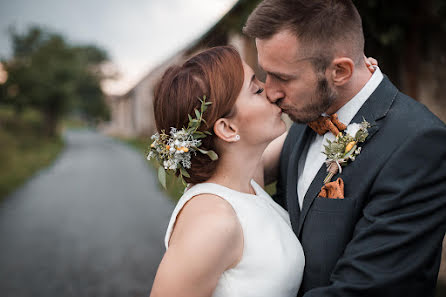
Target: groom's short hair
323, 26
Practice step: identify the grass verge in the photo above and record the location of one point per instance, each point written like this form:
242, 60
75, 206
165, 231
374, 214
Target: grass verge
24, 149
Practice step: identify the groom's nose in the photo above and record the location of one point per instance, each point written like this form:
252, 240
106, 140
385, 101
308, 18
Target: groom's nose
273, 93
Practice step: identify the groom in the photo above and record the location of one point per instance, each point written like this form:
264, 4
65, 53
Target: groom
377, 230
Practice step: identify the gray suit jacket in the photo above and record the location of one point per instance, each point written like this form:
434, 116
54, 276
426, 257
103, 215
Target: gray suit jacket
385, 237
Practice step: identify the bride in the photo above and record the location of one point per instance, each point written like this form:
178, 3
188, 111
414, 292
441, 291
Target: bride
226, 236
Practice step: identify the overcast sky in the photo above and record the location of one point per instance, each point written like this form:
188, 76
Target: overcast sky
137, 34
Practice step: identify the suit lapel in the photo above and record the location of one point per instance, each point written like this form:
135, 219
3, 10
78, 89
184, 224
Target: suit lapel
375, 108
292, 175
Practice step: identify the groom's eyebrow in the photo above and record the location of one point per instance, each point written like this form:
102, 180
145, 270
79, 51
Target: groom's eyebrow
277, 74
252, 79
280, 75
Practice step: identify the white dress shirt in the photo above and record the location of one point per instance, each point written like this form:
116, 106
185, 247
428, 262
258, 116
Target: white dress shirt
315, 156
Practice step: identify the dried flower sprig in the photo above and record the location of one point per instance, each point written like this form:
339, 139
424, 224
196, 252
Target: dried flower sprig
173, 151
344, 148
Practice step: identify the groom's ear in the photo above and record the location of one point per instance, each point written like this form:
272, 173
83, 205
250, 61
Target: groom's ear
341, 70
225, 130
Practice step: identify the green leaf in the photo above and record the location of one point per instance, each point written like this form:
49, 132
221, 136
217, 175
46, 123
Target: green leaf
184, 172
162, 176
183, 182
207, 132
190, 118
197, 113
199, 136
211, 154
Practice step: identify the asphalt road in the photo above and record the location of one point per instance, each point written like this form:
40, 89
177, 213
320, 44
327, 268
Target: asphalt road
92, 224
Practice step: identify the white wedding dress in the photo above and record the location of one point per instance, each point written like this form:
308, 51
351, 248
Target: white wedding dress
273, 261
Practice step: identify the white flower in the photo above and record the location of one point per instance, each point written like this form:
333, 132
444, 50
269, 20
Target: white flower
352, 129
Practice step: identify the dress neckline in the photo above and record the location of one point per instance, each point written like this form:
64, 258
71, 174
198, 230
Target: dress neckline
255, 187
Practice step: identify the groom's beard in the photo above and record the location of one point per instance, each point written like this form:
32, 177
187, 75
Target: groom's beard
321, 101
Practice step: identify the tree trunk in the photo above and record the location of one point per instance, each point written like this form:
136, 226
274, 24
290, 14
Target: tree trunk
51, 121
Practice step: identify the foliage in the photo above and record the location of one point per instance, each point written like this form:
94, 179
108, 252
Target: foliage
400, 33
173, 152
344, 148
47, 73
23, 150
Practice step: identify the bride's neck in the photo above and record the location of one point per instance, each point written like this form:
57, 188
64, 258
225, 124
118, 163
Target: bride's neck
236, 168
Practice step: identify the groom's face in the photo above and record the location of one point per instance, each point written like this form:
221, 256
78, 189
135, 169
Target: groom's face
291, 79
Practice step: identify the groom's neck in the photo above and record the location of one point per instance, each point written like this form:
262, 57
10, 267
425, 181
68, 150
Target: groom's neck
358, 80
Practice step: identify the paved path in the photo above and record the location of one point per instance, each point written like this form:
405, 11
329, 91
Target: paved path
92, 224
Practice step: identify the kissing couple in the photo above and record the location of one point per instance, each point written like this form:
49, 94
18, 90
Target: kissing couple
360, 206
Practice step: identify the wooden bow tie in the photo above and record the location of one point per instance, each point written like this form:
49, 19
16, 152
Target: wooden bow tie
327, 123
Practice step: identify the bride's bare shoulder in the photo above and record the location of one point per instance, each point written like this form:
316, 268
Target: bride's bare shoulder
207, 228
206, 213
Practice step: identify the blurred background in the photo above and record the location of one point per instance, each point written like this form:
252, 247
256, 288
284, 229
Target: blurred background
81, 212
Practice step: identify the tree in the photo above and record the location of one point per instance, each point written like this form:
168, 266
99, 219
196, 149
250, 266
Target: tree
47, 73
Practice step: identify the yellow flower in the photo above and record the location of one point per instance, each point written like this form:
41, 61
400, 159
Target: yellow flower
349, 146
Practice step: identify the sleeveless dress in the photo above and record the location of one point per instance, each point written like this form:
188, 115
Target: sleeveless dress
273, 260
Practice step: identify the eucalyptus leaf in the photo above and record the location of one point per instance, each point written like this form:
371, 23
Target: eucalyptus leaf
162, 176
197, 114
199, 136
184, 172
211, 154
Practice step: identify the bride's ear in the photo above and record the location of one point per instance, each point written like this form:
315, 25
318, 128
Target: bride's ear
225, 130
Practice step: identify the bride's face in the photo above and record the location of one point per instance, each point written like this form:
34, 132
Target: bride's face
258, 121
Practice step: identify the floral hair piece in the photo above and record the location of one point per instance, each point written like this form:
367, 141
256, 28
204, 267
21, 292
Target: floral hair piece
173, 151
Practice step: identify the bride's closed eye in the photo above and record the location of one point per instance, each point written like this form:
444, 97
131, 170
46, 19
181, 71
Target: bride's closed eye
259, 91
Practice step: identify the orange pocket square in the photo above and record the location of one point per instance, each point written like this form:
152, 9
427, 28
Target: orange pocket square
333, 190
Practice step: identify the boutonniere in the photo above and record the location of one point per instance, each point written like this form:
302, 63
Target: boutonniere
344, 148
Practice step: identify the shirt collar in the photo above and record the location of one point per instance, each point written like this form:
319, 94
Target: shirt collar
348, 111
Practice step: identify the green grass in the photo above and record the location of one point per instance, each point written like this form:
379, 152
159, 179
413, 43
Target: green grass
74, 123
174, 186
24, 149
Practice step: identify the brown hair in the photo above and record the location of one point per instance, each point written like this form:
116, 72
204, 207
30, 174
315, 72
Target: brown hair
321, 24
216, 73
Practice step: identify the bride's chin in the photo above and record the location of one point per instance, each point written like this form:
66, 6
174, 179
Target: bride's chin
281, 128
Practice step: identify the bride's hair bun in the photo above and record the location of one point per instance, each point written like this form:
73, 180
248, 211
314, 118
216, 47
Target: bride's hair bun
216, 73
